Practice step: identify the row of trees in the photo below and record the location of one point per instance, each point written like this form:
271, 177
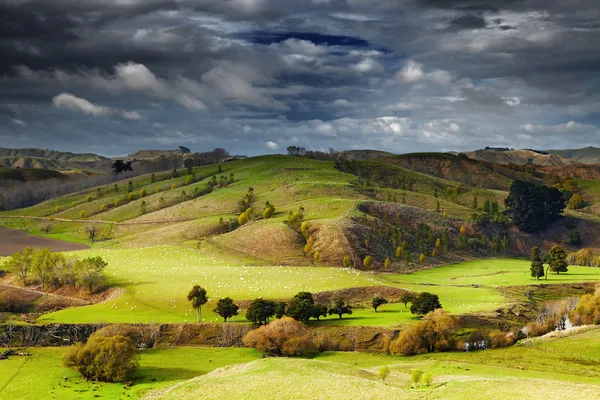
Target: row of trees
56, 270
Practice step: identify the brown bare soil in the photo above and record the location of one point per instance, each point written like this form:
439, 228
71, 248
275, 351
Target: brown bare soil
12, 241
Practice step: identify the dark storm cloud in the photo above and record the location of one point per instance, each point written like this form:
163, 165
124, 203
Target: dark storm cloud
112, 76
467, 22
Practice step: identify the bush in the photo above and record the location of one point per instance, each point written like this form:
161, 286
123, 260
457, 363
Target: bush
587, 311
535, 329
103, 358
501, 339
88, 199
282, 337
572, 237
435, 333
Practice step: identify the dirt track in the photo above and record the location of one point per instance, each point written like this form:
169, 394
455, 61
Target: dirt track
12, 241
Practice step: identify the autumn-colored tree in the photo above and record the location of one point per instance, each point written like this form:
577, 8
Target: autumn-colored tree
367, 262
347, 261
103, 358
282, 337
387, 263
435, 333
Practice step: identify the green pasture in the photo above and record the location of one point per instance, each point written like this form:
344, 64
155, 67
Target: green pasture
491, 273
156, 281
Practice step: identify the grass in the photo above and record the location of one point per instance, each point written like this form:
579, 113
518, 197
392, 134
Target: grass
42, 376
492, 273
157, 279
565, 367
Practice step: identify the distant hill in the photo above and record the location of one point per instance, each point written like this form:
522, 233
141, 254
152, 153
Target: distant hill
365, 155
151, 154
587, 155
521, 157
465, 170
27, 174
51, 160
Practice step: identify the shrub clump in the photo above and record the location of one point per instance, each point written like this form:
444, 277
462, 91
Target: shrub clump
435, 333
103, 358
282, 337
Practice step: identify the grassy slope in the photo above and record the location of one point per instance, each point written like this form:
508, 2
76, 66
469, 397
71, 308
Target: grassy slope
561, 367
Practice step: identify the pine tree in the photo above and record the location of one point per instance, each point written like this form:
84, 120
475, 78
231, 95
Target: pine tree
475, 204
537, 266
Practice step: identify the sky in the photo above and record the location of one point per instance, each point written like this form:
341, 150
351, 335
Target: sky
256, 76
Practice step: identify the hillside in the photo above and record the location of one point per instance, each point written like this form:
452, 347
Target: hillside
51, 160
29, 174
521, 157
365, 155
586, 155
464, 170
151, 154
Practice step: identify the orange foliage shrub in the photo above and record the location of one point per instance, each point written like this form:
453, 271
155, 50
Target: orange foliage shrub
282, 337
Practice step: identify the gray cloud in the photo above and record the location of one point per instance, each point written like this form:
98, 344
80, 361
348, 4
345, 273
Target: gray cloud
259, 75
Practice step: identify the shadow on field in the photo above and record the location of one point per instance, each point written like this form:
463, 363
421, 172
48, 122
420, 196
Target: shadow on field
165, 374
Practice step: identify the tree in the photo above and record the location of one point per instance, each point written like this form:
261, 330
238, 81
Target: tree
20, 264
378, 301
143, 207
301, 307
557, 260
89, 272
260, 311
339, 307
475, 203
576, 202
92, 231
319, 311
103, 358
43, 265
407, 297
487, 206
279, 309
282, 337
184, 150
367, 262
398, 252
437, 206
505, 243
384, 372
226, 308
120, 166
268, 211
347, 261
198, 298
537, 266
425, 302
387, 263
533, 208
129, 187
435, 333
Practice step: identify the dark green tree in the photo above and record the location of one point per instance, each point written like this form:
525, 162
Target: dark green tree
280, 309
533, 208
339, 307
226, 308
407, 297
425, 302
378, 301
260, 311
537, 265
120, 166
301, 307
557, 260
198, 298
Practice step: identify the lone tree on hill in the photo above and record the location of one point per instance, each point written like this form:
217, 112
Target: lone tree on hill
198, 298
537, 265
378, 301
226, 308
425, 302
557, 260
260, 311
533, 208
339, 308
